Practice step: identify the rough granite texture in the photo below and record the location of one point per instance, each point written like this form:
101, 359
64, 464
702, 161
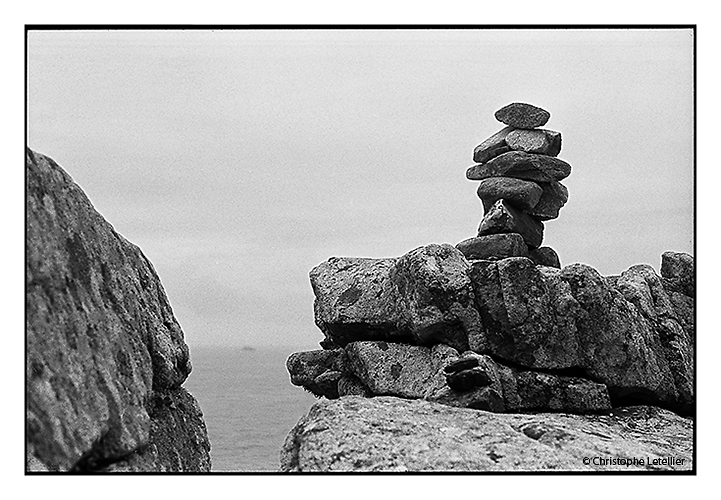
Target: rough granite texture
388, 434
105, 355
556, 333
423, 297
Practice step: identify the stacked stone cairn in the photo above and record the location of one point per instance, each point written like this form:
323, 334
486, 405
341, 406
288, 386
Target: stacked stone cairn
519, 187
494, 323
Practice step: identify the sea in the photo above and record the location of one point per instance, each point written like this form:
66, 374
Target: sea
248, 403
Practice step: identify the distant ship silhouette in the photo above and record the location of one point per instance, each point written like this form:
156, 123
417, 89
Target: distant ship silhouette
247, 348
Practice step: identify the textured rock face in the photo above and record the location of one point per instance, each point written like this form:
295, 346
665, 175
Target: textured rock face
680, 272
555, 339
443, 375
627, 337
423, 297
395, 435
105, 356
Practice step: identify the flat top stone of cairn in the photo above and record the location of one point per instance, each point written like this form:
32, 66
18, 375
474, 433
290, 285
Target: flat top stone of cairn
522, 115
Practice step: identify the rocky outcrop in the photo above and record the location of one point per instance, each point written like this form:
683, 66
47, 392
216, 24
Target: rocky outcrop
496, 324
423, 297
388, 434
105, 356
551, 339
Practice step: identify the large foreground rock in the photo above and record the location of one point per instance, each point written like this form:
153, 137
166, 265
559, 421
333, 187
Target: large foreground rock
387, 434
105, 355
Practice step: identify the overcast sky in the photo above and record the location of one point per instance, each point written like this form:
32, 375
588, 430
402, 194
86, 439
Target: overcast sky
239, 160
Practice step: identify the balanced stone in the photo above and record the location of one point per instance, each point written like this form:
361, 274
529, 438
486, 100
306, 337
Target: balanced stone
539, 141
554, 196
521, 165
493, 247
522, 115
522, 194
503, 218
493, 146
545, 256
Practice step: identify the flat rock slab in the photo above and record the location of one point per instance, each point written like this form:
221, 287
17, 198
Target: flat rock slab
388, 434
521, 165
502, 217
522, 194
493, 146
538, 141
522, 115
493, 247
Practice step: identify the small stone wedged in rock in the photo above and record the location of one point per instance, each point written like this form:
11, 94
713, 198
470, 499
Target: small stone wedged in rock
537, 141
502, 217
522, 194
522, 115
521, 165
493, 247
